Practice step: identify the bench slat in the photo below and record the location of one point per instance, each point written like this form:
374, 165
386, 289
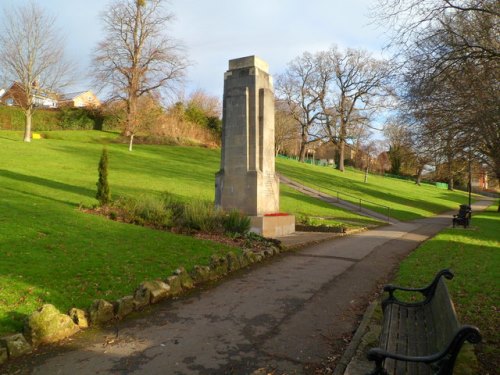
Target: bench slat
393, 316
402, 340
421, 332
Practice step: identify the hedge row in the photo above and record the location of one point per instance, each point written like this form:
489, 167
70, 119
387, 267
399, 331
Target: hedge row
12, 118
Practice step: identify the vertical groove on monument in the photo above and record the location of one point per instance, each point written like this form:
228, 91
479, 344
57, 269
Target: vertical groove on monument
247, 180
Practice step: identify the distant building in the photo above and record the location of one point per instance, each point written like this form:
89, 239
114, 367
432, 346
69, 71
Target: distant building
15, 95
330, 151
79, 99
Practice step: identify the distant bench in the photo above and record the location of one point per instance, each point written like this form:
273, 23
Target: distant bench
463, 217
422, 337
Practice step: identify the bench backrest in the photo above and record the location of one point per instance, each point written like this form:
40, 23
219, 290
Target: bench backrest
444, 318
464, 210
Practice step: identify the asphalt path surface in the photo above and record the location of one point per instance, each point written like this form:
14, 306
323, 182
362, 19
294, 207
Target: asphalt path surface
292, 314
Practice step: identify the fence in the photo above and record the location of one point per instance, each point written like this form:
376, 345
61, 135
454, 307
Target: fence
356, 201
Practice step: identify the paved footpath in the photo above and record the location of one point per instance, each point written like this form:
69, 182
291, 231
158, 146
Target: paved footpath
289, 314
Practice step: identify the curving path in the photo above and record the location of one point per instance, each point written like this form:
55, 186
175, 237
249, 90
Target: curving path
292, 314
336, 201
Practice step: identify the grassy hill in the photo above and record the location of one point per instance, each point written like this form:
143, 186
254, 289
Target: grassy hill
405, 200
52, 252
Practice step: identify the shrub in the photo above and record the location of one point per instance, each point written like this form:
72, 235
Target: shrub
152, 210
202, 215
167, 211
76, 119
305, 219
236, 222
103, 194
146, 209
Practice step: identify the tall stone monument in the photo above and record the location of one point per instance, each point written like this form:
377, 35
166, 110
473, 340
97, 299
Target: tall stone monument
247, 180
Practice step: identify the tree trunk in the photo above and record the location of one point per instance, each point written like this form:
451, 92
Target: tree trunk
450, 174
28, 113
303, 145
451, 183
498, 210
342, 134
131, 142
419, 175
131, 115
341, 155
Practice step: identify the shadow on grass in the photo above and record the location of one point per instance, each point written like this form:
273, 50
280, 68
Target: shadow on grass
29, 194
47, 183
13, 321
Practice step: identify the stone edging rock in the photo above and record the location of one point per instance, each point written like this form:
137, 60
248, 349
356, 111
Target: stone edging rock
49, 325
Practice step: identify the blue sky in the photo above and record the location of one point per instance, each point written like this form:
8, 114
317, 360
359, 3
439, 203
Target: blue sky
218, 30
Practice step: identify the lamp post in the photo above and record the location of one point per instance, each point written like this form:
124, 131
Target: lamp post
470, 183
470, 179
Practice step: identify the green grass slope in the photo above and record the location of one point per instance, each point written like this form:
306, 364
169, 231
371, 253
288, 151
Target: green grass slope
50, 252
406, 200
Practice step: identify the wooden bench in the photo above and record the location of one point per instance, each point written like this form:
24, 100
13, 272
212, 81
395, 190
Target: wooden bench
422, 337
463, 217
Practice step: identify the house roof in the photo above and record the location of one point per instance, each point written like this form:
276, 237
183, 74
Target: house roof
71, 95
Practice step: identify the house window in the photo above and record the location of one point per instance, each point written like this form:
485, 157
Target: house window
9, 102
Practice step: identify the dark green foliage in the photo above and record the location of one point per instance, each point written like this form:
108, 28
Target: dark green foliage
197, 115
214, 124
103, 195
12, 118
81, 119
396, 158
236, 222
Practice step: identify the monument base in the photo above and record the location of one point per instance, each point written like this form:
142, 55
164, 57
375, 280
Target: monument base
272, 225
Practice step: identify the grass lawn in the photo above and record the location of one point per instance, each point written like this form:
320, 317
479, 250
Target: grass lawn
406, 200
474, 256
51, 252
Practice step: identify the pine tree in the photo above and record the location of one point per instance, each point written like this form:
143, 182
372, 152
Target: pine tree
103, 195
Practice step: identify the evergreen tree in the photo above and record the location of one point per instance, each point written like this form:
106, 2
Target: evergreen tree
103, 195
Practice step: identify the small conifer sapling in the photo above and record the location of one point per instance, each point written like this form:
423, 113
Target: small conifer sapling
103, 195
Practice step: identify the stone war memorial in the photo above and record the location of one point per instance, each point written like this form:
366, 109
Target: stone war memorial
247, 180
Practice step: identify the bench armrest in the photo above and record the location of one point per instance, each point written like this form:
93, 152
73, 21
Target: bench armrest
466, 332
379, 355
427, 291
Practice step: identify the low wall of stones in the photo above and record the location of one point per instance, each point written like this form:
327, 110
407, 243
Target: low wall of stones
48, 325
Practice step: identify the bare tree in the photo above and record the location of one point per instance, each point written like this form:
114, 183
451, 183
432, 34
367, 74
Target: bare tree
301, 87
472, 26
450, 51
32, 57
136, 56
286, 130
357, 90
210, 105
